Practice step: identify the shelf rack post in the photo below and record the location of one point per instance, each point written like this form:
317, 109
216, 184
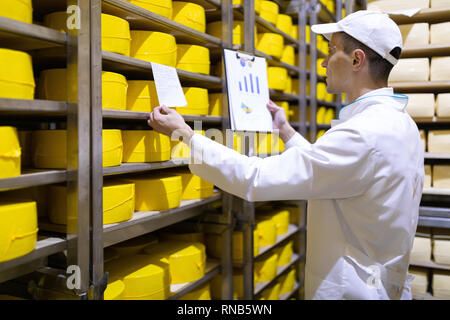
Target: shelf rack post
98, 279
78, 146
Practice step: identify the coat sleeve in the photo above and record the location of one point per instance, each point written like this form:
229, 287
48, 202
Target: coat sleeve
339, 165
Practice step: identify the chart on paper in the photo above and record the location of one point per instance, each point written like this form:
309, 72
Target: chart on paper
248, 92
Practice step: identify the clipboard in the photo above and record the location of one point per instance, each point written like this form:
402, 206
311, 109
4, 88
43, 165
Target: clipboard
248, 92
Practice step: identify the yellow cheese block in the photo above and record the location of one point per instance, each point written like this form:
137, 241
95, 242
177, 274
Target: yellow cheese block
141, 96
114, 91
215, 29
189, 14
288, 87
112, 147
268, 143
144, 277
25, 146
197, 102
202, 293
135, 246
321, 90
439, 3
180, 150
287, 281
421, 251
420, 105
193, 58
443, 105
271, 44
215, 104
145, 146
18, 229
157, 192
277, 77
288, 55
10, 153
16, 75
285, 253
389, 5
284, 23
118, 203
161, 7
279, 217
194, 187
423, 139
238, 285
409, 70
52, 86
321, 71
329, 115
21, 10
186, 260
243, 140
439, 141
266, 269
439, 32
428, 175
153, 46
440, 69
441, 284
441, 251
115, 32
187, 236
417, 34
294, 32
273, 293
36, 194
114, 290
49, 148
267, 232
441, 176
269, 11
214, 245
420, 282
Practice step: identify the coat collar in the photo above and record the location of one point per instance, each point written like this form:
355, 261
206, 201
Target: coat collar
379, 96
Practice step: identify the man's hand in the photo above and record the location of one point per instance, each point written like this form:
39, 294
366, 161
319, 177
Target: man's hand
280, 121
167, 121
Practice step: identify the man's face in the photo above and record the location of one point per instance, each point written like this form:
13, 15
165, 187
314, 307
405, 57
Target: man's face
338, 65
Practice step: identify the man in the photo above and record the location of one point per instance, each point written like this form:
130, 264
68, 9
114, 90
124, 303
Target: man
363, 178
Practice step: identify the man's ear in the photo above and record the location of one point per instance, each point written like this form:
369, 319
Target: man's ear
359, 57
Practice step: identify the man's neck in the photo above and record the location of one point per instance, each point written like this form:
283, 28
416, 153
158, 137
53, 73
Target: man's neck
358, 91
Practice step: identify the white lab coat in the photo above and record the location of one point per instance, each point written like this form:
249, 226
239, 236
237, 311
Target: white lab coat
363, 180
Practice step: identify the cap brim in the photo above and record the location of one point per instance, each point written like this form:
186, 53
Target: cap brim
327, 29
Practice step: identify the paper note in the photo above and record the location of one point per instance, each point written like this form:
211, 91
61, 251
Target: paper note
168, 87
248, 92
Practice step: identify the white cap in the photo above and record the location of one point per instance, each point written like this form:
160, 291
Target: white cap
374, 29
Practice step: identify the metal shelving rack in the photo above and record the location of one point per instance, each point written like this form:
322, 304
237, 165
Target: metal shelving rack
246, 211
75, 113
146, 222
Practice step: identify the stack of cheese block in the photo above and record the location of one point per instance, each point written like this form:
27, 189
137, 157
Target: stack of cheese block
49, 148
441, 255
118, 203
419, 285
283, 286
214, 245
421, 251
